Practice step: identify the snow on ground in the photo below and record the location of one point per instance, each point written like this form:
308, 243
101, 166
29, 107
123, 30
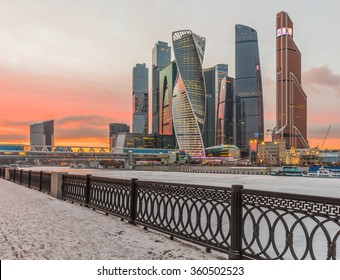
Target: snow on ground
34, 225
329, 187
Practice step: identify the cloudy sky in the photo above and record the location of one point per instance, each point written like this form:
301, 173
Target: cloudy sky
72, 61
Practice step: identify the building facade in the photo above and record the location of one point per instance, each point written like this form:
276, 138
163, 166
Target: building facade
213, 78
161, 56
188, 99
114, 129
140, 99
248, 87
226, 115
167, 78
291, 100
42, 134
271, 153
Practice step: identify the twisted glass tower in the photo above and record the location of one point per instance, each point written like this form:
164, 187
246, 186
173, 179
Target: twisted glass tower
188, 104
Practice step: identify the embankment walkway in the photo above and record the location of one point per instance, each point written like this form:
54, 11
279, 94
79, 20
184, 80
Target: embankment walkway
36, 226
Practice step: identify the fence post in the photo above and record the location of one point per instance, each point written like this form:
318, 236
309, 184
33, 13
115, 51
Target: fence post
87, 190
40, 180
56, 184
29, 178
236, 223
7, 174
133, 200
20, 176
14, 175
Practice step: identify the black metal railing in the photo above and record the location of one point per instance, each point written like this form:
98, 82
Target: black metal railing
289, 226
199, 214
74, 188
38, 180
245, 224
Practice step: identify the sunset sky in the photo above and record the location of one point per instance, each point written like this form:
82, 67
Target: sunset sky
72, 61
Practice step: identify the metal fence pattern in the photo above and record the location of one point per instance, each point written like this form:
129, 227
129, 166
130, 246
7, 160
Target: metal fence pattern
26, 178
110, 195
286, 226
74, 187
199, 214
246, 224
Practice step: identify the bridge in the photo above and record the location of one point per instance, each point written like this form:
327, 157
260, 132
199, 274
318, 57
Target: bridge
77, 153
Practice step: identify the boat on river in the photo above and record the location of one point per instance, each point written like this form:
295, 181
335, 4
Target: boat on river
323, 172
289, 171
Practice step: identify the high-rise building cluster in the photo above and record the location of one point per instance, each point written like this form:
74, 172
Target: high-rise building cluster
195, 108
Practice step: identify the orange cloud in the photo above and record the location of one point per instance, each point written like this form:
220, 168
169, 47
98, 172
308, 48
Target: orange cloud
82, 110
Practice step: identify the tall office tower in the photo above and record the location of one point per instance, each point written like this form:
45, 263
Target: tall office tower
226, 122
42, 134
116, 128
213, 77
291, 100
188, 99
161, 56
140, 120
167, 78
248, 87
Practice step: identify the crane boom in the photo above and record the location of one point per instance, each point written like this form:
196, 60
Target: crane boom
324, 139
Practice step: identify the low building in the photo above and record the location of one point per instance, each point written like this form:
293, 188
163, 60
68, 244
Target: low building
309, 156
223, 151
331, 157
292, 157
271, 153
133, 140
116, 128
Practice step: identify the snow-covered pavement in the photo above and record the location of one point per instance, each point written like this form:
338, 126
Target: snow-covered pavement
34, 225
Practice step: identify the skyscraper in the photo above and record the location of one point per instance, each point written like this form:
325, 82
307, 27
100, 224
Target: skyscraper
161, 56
188, 103
167, 78
42, 134
248, 87
291, 100
213, 77
140, 120
225, 117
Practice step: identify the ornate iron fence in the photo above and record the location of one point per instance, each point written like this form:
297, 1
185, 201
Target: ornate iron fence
26, 176
38, 180
199, 214
246, 224
110, 195
287, 226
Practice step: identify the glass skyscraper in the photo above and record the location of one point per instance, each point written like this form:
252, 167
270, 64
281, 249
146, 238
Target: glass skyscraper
161, 56
140, 120
188, 103
248, 87
167, 78
42, 134
213, 77
225, 122
291, 112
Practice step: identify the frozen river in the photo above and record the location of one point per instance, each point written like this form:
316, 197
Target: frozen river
329, 187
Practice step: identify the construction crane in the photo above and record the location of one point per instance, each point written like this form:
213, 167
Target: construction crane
324, 139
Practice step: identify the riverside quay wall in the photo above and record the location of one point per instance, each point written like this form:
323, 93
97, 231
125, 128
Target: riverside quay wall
207, 169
